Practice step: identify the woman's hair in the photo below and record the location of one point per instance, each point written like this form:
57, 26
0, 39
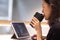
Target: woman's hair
55, 14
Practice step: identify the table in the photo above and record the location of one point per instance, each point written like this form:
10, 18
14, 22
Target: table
6, 37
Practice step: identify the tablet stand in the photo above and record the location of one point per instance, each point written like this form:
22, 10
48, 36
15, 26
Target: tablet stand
14, 37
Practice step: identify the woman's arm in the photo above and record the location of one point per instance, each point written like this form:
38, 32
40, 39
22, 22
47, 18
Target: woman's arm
39, 34
37, 25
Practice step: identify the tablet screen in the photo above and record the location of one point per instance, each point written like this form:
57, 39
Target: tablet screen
20, 29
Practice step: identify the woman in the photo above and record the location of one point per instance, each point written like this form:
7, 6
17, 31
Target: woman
51, 10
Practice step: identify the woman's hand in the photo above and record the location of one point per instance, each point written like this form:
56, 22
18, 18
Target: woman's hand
35, 23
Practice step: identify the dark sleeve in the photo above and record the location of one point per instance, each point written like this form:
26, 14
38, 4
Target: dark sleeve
54, 32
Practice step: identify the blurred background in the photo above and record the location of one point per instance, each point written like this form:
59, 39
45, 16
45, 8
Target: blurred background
19, 11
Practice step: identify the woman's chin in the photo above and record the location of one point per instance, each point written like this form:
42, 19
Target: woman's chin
46, 18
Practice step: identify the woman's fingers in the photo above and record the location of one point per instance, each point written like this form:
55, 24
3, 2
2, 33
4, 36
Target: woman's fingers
35, 19
34, 22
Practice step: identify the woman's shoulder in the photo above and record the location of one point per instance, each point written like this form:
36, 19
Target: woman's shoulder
56, 25
54, 32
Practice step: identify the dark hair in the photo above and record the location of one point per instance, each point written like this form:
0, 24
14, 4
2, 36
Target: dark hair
55, 14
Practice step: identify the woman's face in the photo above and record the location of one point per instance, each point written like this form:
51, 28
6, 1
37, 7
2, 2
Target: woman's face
46, 10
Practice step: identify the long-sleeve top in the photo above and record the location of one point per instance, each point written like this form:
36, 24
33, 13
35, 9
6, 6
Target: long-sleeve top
54, 32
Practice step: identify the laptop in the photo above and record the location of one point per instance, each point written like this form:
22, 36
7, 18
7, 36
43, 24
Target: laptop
20, 31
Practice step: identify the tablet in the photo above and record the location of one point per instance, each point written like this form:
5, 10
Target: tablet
20, 30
